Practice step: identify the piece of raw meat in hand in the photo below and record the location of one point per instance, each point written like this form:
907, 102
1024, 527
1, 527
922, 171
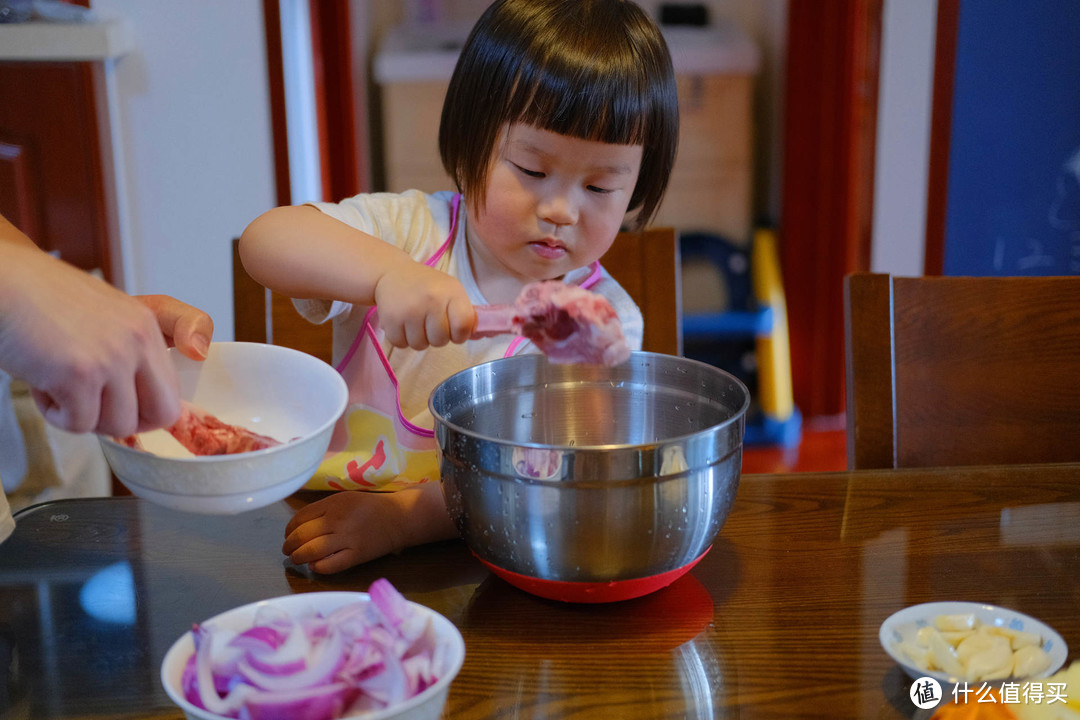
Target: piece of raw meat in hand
568, 323
203, 434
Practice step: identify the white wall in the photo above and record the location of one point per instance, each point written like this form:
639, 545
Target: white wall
903, 136
195, 152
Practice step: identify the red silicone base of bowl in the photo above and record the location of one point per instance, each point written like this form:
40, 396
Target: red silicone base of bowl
593, 592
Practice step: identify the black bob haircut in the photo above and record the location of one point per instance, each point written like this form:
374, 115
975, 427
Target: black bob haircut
591, 69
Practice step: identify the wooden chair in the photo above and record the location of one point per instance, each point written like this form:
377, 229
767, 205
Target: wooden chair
645, 263
962, 370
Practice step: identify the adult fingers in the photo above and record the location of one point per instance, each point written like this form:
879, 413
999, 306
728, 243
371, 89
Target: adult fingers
119, 410
158, 396
184, 326
74, 413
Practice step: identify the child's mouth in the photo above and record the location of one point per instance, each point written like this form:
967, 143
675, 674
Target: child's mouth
548, 251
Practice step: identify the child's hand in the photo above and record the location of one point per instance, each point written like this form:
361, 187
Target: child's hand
353, 527
420, 306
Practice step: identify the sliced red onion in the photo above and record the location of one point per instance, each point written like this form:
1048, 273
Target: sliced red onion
319, 703
327, 658
260, 635
362, 656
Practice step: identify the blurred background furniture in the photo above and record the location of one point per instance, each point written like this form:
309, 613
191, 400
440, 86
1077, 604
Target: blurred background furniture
737, 321
645, 263
962, 370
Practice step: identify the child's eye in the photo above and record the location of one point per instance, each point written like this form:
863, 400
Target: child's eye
530, 173
598, 190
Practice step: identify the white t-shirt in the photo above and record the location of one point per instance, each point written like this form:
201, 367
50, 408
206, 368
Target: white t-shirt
419, 224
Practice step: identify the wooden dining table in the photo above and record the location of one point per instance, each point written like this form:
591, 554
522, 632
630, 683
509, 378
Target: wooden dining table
779, 620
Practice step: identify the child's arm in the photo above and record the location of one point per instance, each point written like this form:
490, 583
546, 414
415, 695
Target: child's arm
301, 252
353, 527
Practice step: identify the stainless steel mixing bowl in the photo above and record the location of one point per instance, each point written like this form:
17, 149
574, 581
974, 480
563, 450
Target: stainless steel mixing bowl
587, 474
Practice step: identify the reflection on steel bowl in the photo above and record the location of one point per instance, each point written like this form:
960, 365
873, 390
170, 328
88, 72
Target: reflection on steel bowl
590, 483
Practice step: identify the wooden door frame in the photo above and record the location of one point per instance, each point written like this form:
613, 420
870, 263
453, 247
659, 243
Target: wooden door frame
830, 132
948, 26
341, 132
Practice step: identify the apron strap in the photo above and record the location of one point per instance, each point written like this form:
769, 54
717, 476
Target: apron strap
455, 205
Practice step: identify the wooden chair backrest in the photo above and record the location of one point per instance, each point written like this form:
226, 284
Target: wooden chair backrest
962, 370
645, 263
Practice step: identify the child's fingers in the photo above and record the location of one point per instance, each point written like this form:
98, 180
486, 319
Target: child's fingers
316, 548
416, 334
305, 514
437, 329
462, 319
307, 533
337, 562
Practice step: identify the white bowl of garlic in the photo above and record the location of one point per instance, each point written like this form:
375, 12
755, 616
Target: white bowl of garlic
971, 642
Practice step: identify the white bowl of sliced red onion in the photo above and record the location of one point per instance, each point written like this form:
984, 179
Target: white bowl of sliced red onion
318, 656
256, 423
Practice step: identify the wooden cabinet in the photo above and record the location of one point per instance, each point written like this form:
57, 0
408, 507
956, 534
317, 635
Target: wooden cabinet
55, 171
51, 171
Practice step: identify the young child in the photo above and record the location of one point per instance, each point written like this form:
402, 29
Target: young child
561, 116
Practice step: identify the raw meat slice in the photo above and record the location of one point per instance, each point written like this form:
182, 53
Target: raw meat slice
203, 434
568, 323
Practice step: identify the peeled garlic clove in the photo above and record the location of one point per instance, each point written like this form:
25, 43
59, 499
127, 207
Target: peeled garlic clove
965, 621
978, 642
994, 662
922, 637
955, 637
1020, 639
1029, 661
917, 655
944, 656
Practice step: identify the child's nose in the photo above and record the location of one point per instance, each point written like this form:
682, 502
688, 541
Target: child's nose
558, 209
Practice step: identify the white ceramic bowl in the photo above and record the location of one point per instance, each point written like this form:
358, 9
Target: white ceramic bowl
286, 394
427, 705
904, 624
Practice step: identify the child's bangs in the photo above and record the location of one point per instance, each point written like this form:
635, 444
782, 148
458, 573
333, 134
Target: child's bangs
614, 110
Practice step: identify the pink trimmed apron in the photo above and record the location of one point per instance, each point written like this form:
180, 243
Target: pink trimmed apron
374, 446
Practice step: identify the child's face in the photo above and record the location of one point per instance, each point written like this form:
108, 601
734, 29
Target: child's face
553, 203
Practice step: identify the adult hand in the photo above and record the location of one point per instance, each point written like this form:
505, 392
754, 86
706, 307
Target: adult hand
185, 327
94, 357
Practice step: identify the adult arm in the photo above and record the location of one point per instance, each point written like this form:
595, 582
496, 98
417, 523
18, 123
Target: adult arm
94, 356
